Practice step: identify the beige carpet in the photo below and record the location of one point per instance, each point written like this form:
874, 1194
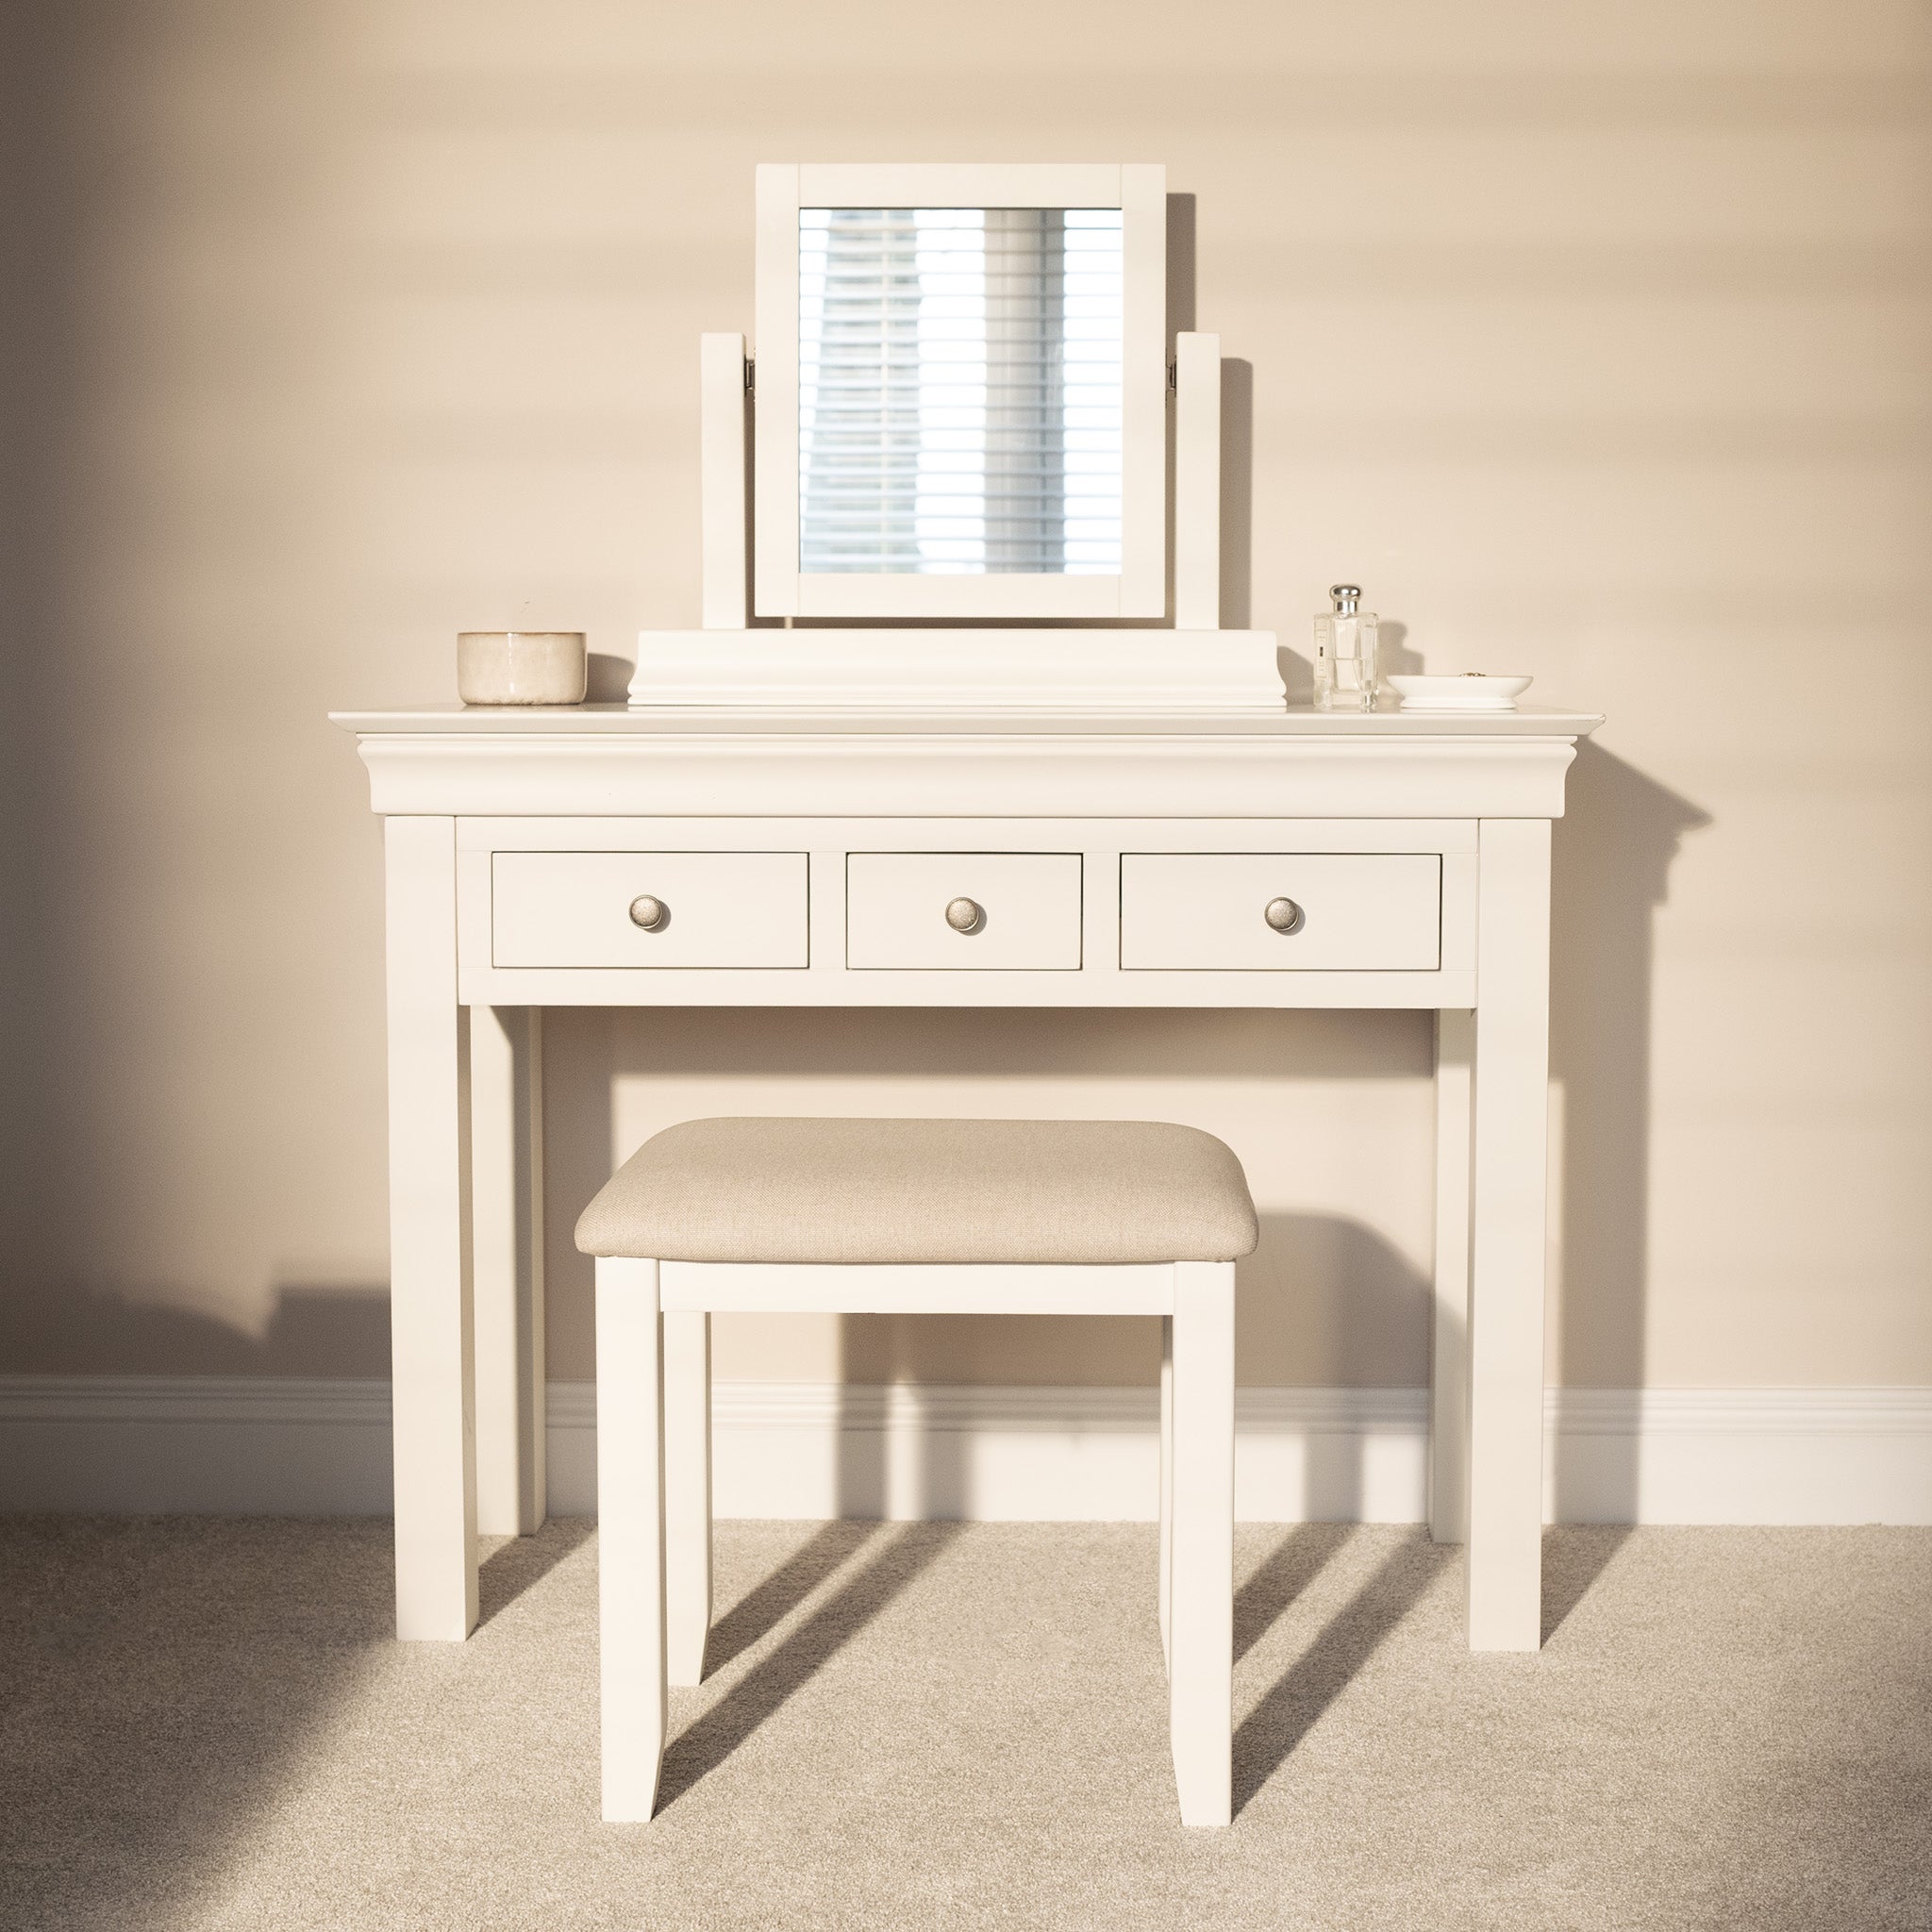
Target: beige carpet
206, 1725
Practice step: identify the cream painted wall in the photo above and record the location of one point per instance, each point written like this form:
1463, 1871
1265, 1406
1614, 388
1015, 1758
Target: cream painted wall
1595, 341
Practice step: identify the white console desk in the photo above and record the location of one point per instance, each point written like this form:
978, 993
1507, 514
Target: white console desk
807, 858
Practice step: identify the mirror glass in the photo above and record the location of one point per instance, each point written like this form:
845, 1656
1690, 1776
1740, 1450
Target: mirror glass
960, 390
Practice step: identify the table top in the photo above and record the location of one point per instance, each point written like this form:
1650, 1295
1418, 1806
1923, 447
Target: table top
1294, 721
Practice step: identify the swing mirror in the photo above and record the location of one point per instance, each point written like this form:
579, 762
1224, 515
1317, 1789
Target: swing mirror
961, 397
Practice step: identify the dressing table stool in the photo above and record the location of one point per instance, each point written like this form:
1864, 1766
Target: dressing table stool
904, 1216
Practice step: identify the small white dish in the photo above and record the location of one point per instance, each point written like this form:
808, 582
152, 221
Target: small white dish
1472, 691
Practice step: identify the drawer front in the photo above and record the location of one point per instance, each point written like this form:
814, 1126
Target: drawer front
1029, 904
1359, 911
720, 909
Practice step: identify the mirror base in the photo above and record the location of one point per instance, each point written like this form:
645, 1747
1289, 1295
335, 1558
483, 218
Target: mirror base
960, 670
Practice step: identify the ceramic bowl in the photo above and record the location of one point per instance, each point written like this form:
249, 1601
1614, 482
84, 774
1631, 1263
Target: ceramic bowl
520, 667
1472, 691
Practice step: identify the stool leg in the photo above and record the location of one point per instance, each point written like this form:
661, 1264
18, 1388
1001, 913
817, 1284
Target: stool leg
630, 1535
1201, 1667
688, 1490
1166, 1483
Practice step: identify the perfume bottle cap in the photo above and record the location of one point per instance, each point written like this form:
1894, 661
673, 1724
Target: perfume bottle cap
1346, 596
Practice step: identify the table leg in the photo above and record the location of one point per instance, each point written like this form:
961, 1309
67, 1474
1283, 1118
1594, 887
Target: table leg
1511, 1159
630, 1536
1168, 1481
431, 1337
506, 1187
1166, 1579
1201, 1666
688, 1490
1449, 1341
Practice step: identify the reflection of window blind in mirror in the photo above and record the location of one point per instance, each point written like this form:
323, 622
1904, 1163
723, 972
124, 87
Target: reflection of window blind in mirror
960, 390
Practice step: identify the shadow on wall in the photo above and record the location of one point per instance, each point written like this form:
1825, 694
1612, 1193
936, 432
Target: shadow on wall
1323, 1287
1320, 1288
1315, 1271
1237, 422
1237, 493
1393, 652
607, 679
1180, 265
1612, 862
956, 1062
329, 1333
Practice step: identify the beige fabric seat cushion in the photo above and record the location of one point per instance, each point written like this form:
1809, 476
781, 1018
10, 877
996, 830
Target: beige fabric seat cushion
871, 1191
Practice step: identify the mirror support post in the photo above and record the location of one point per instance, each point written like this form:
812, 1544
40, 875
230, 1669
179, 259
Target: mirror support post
1197, 482
722, 484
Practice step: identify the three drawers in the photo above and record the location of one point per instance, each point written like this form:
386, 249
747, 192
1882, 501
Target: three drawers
648, 908
967, 911
1281, 912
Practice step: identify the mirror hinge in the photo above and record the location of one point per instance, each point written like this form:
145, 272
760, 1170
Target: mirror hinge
1173, 377
750, 377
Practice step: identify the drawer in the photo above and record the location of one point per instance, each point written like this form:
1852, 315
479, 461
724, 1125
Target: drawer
1359, 911
1029, 906
719, 909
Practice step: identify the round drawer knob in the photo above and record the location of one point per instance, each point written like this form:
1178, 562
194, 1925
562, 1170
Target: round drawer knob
1284, 915
965, 915
652, 914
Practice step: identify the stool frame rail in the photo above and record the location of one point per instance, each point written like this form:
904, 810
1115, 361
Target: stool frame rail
654, 1475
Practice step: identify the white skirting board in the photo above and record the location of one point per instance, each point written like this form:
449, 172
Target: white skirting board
232, 1445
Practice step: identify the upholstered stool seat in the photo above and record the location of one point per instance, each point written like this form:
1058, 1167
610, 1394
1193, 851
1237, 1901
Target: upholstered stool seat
996, 1217
1080, 1192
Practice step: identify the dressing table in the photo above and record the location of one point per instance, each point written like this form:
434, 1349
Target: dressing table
976, 815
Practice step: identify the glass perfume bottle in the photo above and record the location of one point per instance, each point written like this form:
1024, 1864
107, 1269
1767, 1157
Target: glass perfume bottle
1345, 653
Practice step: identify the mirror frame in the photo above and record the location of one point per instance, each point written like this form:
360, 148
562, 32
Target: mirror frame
780, 589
